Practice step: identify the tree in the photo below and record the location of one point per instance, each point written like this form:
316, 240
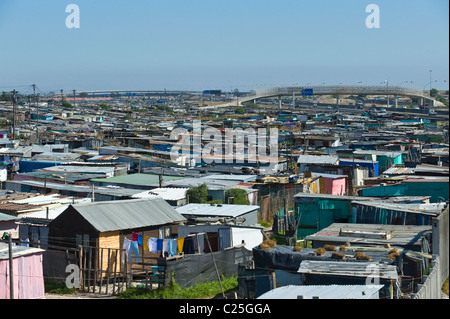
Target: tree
239, 196
105, 106
239, 110
5, 97
434, 92
66, 104
198, 194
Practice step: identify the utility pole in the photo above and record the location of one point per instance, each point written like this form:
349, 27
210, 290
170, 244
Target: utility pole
215, 265
74, 99
14, 113
35, 104
11, 275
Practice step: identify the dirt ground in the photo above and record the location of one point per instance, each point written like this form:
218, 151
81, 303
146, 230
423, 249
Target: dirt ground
78, 296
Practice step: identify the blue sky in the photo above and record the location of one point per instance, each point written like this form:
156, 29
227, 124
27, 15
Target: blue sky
207, 44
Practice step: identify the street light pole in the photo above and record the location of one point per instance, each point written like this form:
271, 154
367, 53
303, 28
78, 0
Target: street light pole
430, 82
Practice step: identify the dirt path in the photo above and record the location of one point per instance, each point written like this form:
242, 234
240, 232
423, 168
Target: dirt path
78, 296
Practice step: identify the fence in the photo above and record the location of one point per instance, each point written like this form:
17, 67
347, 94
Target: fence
102, 270
431, 287
440, 242
111, 270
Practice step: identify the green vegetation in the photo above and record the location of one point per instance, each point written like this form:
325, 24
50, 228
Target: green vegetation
236, 196
57, 287
140, 110
239, 110
174, 291
105, 106
5, 97
434, 92
66, 104
445, 287
164, 108
198, 194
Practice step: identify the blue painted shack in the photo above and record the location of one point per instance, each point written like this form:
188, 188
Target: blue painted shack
373, 166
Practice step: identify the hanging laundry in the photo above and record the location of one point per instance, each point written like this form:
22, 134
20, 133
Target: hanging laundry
140, 240
152, 245
134, 247
195, 243
188, 247
145, 240
159, 245
134, 237
165, 245
201, 240
27, 240
126, 247
180, 244
173, 247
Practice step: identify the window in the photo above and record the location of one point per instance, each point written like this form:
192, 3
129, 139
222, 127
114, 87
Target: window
164, 232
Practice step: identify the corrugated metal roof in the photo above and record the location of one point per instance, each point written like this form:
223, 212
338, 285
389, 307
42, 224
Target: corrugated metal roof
128, 214
137, 179
317, 159
378, 153
401, 234
170, 193
17, 251
210, 183
432, 209
216, 210
165, 193
119, 192
395, 170
7, 217
324, 292
352, 269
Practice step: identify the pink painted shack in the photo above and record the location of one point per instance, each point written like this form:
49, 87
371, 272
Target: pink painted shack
28, 272
332, 184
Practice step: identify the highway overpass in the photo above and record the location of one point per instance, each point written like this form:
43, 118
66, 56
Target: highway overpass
337, 91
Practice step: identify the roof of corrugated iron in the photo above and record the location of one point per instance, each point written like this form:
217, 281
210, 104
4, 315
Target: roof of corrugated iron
353, 269
128, 214
323, 292
216, 210
17, 251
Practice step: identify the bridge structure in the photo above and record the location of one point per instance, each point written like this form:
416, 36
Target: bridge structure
131, 92
338, 91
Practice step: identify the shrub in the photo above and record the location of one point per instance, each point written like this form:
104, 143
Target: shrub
237, 195
343, 248
297, 249
271, 243
329, 247
361, 256
320, 251
198, 194
393, 254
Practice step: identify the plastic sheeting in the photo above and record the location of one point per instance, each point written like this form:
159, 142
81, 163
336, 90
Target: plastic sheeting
284, 258
196, 269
